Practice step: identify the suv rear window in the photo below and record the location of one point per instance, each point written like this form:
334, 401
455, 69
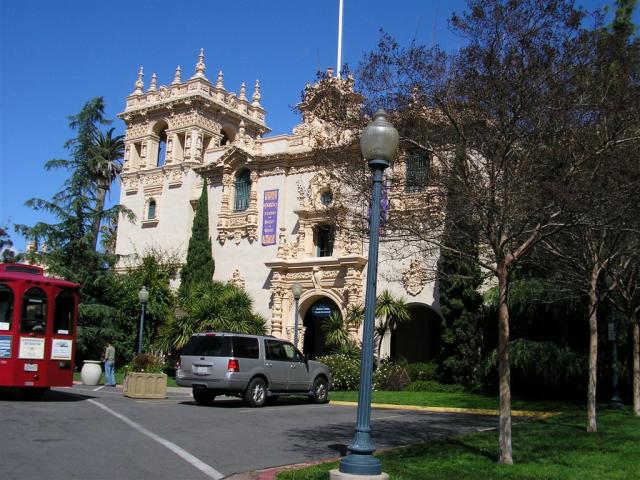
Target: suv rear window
208, 346
245, 347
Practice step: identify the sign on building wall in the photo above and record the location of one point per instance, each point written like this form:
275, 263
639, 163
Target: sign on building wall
270, 217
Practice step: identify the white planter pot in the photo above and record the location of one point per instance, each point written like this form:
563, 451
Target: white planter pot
91, 372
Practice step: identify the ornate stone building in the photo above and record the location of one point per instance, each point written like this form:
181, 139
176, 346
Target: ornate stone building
267, 209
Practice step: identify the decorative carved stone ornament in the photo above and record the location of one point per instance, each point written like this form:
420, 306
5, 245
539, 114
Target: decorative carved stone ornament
415, 278
237, 279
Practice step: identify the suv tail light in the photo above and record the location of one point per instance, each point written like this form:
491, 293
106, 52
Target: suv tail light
233, 366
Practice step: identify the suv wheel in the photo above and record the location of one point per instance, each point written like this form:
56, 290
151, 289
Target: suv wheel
320, 391
203, 397
256, 394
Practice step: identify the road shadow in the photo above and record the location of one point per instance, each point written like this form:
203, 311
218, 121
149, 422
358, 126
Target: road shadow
51, 396
404, 429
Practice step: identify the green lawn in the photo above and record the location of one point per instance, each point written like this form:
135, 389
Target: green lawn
555, 448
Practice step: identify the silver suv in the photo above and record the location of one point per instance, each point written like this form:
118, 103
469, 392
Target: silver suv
255, 368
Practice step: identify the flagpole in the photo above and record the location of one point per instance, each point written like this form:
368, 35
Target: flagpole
339, 66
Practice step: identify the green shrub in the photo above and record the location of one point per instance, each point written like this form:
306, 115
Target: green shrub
433, 386
345, 370
540, 370
390, 376
422, 371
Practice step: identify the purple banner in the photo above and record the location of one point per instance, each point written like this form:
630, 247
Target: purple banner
269, 217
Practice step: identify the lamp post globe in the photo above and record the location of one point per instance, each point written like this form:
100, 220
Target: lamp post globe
296, 290
143, 296
379, 144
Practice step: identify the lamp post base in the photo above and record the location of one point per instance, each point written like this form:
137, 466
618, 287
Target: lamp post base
361, 465
336, 474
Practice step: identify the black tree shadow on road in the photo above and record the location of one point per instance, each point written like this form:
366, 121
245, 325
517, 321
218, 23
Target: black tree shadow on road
408, 428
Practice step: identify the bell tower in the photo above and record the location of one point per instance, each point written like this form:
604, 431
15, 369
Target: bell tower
169, 129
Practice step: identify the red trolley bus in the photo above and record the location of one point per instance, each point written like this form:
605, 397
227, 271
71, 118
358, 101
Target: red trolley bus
38, 320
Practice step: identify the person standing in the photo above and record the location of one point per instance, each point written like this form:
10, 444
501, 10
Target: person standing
109, 365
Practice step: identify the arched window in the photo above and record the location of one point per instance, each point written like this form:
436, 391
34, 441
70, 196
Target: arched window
325, 235
151, 210
228, 136
160, 129
63, 313
6, 307
162, 149
417, 175
34, 311
326, 198
242, 191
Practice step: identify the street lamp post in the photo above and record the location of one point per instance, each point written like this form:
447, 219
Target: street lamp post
379, 144
143, 296
615, 401
296, 289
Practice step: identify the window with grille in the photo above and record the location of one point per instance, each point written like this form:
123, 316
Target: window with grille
417, 175
243, 190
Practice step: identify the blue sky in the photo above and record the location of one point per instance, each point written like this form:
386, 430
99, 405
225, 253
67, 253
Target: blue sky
56, 55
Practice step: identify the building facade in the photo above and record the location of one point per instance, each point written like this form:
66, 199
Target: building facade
268, 203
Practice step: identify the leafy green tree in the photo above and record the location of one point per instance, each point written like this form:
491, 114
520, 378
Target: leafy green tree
8, 255
460, 279
210, 306
199, 267
71, 241
155, 271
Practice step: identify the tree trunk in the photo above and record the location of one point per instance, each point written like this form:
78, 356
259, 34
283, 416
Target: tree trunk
593, 352
636, 365
506, 456
102, 193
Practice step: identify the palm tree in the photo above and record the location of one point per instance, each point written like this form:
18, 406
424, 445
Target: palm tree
210, 306
391, 311
105, 164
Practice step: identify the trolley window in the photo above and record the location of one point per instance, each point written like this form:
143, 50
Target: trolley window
63, 313
34, 311
6, 307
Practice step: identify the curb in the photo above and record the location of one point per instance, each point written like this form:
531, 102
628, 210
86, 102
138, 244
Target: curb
474, 411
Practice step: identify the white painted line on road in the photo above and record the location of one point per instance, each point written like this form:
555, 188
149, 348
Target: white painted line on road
182, 453
99, 388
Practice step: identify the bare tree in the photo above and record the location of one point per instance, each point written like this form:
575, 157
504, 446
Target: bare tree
517, 103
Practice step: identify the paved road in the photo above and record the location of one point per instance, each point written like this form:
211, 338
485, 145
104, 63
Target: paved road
83, 433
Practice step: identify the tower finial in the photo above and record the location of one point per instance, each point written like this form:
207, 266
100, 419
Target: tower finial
220, 82
243, 92
200, 66
139, 83
177, 77
256, 94
153, 86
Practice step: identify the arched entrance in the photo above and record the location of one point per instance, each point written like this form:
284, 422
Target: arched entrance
417, 340
314, 338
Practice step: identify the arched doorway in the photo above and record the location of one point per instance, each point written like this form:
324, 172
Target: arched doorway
417, 340
314, 338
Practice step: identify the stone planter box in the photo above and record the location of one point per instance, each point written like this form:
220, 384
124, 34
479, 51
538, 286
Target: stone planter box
145, 385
